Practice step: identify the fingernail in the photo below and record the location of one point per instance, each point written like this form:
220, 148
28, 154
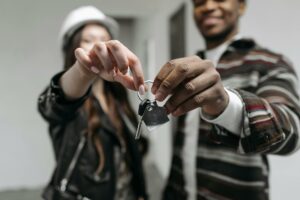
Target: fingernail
95, 70
176, 113
158, 96
146, 88
142, 90
153, 90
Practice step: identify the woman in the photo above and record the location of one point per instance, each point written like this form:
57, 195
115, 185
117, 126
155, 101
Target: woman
91, 121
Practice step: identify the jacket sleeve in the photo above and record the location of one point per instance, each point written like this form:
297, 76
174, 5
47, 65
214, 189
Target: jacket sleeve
55, 109
271, 114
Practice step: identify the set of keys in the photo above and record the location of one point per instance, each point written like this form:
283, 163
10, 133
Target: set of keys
151, 114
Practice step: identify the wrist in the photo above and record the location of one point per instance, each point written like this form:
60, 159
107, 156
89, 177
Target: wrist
76, 81
84, 72
216, 108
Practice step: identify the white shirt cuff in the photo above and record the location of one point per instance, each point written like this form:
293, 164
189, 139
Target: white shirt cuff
231, 117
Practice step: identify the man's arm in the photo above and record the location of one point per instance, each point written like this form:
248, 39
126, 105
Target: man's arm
271, 115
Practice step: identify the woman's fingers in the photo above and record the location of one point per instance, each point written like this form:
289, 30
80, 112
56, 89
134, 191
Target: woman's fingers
124, 60
112, 61
118, 55
136, 71
125, 80
88, 60
100, 49
83, 58
117, 60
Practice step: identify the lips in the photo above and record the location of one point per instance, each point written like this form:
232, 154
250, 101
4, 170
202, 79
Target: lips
210, 21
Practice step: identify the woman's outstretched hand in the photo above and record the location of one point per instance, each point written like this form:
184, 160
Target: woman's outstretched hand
112, 61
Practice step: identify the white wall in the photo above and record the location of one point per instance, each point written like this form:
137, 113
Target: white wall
29, 57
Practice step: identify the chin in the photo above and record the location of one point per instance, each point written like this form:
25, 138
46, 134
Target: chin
216, 34
212, 35
211, 31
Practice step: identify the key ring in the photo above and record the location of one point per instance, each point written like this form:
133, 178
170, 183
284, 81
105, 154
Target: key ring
138, 94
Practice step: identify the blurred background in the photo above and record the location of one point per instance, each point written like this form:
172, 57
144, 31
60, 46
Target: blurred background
30, 55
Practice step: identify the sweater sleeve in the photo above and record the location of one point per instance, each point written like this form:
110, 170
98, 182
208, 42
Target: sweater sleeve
271, 115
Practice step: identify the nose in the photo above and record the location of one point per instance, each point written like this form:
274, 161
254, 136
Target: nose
210, 5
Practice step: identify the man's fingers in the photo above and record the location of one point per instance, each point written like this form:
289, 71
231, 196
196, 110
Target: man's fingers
173, 80
183, 70
190, 88
162, 74
198, 100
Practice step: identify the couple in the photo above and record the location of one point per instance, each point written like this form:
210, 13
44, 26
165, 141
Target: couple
235, 102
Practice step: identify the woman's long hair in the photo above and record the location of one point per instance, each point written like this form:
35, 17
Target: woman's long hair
116, 98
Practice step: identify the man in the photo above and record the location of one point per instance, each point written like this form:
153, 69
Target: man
237, 104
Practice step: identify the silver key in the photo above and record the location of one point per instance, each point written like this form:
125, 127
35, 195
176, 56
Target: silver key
142, 108
151, 114
138, 130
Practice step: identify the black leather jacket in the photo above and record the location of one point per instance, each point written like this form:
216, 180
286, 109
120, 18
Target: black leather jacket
66, 122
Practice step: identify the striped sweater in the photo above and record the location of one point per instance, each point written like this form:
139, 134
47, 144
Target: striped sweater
236, 167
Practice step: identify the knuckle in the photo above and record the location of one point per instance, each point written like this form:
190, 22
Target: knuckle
115, 44
166, 85
217, 93
158, 80
215, 77
134, 59
220, 94
198, 99
98, 46
195, 58
116, 41
171, 64
123, 63
190, 87
183, 69
156, 84
208, 64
